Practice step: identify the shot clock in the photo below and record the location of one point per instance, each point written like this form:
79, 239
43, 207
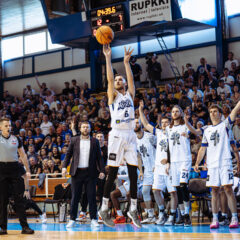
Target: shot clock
112, 16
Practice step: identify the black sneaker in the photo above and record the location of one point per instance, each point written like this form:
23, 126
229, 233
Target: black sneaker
223, 221
180, 221
187, 221
3, 231
27, 230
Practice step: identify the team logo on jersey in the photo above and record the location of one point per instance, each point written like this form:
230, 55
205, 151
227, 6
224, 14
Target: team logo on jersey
14, 141
215, 137
163, 145
143, 151
175, 137
124, 104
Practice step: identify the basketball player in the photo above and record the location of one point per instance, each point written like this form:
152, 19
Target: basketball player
162, 175
10, 176
181, 161
122, 139
219, 161
147, 151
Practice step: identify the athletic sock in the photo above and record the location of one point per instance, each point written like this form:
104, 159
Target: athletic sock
234, 215
172, 214
133, 206
186, 207
150, 213
224, 215
161, 210
119, 213
215, 217
105, 204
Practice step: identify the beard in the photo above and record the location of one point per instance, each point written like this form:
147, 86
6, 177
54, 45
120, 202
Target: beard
119, 87
137, 129
176, 118
85, 134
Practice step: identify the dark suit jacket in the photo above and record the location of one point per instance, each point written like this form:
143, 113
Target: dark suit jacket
96, 164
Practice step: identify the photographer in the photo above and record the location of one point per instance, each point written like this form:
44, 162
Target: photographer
154, 69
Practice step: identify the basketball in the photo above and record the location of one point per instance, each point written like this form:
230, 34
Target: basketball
104, 35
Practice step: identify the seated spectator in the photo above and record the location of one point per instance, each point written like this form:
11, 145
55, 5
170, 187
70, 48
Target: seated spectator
184, 101
54, 103
75, 107
63, 152
45, 125
206, 93
201, 111
67, 89
226, 110
222, 87
86, 91
178, 92
197, 92
92, 109
56, 156
171, 101
236, 95
103, 107
75, 88
59, 142
31, 151
201, 67
28, 91
230, 60
52, 168
236, 130
81, 112
35, 167
228, 79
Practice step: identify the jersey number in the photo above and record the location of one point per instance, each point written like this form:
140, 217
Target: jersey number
184, 175
126, 114
230, 176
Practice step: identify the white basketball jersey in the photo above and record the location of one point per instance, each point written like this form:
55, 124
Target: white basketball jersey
179, 143
147, 151
161, 152
122, 112
217, 140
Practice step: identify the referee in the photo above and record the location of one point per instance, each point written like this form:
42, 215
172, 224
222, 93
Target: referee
10, 176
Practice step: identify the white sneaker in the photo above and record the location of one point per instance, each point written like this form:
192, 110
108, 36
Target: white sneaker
149, 220
43, 218
94, 223
71, 224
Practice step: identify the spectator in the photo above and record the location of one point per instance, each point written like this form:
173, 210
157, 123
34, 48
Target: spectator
223, 88
236, 130
236, 95
136, 70
67, 89
38, 138
201, 67
86, 91
75, 88
102, 108
35, 167
154, 70
75, 107
230, 60
45, 125
197, 92
28, 91
92, 109
171, 101
228, 79
56, 156
43, 87
184, 101
54, 103
201, 111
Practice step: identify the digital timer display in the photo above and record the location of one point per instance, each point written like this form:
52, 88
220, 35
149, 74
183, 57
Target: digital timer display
112, 16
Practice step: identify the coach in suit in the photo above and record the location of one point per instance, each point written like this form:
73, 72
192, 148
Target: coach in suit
86, 166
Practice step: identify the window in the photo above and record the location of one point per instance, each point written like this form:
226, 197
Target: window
233, 7
35, 43
198, 10
52, 46
12, 47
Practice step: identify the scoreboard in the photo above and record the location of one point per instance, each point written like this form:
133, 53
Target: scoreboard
112, 16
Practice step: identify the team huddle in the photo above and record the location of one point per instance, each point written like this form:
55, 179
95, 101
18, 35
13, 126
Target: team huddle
164, 154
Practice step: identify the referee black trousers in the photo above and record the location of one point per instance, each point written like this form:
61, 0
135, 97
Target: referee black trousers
13, 184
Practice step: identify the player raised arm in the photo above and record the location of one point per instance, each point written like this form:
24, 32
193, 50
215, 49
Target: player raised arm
144, 121
193, 130
131, 86
201, 154
234, 112
110, 76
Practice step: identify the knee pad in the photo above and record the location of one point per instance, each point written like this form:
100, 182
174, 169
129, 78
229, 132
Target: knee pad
146, 193
185, 192
179, 194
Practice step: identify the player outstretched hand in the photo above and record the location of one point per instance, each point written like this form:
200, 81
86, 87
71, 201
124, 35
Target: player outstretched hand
127, 54
141, 105
107, 50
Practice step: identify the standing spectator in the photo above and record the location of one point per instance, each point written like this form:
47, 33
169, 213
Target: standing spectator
236, 95
45, 125
136, 70
54, 103
154, 70
86, 91
201, 67
230, 60
75, 88
67, 89
43, 87
28, 91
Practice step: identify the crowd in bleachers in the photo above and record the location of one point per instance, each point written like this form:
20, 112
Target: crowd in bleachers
45, 121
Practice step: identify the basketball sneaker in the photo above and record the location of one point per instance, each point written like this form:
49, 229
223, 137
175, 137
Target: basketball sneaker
187, 221
119, 219
82, 217
134, 217
234, 223
223, 221
170, 221
214, 224
149, 220
162, 220
180, 221
106, 219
